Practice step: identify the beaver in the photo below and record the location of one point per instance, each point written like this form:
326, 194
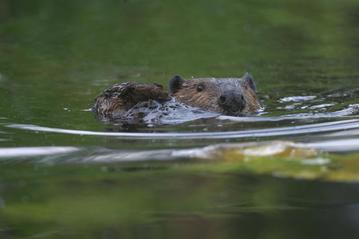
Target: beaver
117, 100
133, 101
228, 96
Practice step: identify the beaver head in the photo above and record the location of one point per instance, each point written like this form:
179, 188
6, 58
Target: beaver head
229, 96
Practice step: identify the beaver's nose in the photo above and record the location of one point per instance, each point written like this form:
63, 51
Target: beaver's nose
232, 102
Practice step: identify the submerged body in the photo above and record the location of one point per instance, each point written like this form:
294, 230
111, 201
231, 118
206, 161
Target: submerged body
136, 103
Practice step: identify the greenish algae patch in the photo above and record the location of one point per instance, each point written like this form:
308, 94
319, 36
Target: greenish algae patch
283, 159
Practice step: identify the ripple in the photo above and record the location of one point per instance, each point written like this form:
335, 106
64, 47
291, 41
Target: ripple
321, 106
351, 110
297, 98
309, 152
258, 133
34, 151
343, 145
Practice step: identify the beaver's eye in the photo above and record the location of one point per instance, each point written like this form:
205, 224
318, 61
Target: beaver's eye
200, 87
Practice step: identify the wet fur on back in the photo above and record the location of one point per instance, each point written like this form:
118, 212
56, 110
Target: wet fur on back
115, 101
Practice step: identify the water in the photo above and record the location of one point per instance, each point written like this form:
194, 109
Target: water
289, 172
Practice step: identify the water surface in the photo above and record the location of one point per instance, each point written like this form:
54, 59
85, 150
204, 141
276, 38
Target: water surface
288, 172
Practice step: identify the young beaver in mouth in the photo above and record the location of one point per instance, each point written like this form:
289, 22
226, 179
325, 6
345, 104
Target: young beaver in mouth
131, 101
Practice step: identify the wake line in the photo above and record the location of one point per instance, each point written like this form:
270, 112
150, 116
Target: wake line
269, 132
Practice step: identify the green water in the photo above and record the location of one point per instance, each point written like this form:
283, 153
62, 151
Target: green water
57, 56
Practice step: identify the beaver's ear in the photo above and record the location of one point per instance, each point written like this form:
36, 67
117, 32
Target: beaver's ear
175, 84
249, 81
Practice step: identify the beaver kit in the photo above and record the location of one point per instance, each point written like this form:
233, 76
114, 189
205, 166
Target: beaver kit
135, 103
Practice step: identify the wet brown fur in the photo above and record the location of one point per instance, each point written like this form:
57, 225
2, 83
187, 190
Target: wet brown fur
208, 98
121, 97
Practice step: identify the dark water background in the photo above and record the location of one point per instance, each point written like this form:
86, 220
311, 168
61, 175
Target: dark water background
64, 174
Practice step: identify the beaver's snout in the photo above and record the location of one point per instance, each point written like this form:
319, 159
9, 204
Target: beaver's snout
232, 102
